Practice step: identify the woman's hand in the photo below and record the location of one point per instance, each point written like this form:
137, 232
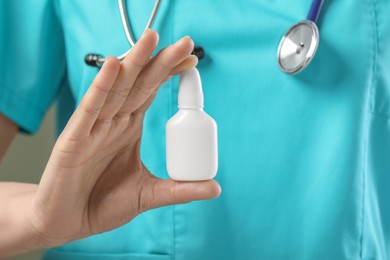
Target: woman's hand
95, 180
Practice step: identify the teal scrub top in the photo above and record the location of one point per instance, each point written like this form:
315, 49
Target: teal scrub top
304, 159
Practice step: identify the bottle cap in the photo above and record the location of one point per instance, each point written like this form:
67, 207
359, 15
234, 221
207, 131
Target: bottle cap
190, 90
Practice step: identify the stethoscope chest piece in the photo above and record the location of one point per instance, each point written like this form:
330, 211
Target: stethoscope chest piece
298, 47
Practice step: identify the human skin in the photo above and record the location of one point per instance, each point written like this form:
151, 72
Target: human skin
95, 180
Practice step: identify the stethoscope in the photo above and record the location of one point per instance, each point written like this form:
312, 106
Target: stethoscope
97, 60
296, 49
300, 43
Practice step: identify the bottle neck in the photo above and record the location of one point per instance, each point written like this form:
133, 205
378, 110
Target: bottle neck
191, 108
190, 94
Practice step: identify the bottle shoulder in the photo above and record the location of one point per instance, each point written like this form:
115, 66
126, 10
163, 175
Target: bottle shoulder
191, 117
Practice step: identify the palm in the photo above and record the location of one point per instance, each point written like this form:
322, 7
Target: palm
95, 180
116, 196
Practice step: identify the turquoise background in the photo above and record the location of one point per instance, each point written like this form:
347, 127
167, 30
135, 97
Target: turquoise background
303, 159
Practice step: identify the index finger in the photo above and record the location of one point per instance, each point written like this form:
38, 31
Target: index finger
130, 69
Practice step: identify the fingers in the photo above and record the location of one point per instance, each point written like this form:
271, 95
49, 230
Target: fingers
130, 69
155, 72
83, 119
169, 192
187, 64
123, 88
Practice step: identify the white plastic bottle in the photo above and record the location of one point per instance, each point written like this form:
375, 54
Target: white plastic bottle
191, 134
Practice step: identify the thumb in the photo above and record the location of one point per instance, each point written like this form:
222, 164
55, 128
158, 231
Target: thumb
168, 192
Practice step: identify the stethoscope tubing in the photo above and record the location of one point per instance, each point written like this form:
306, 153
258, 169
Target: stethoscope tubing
125, 21
97, 60
315, 10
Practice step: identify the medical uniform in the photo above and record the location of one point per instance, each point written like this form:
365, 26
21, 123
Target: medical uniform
304, 161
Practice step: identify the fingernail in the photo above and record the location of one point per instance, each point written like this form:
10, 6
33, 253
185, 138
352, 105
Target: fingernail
149, 31
194, 56
182, 40
219, 190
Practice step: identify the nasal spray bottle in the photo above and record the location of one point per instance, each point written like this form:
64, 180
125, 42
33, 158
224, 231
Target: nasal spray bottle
191, 134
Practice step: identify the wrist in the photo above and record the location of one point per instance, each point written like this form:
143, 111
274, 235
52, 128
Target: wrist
14, 219
36, 228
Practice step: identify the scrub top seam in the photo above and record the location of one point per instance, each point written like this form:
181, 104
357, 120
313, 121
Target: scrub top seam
375, 55
29, 103
373, 110
368, 111
379, 114
172, 13
27, 125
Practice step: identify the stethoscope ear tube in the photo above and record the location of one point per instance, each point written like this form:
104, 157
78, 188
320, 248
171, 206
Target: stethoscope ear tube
198, 52
92, 59
97, 60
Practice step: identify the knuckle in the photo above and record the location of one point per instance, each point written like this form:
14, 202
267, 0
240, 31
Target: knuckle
139, 113
90, 110
126, 110
103, 122
122, 115
136, 63
71, 139
142, 90
101, 88
146, 192
122, 92
142, 200
147, 88
174, 190
166, 67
